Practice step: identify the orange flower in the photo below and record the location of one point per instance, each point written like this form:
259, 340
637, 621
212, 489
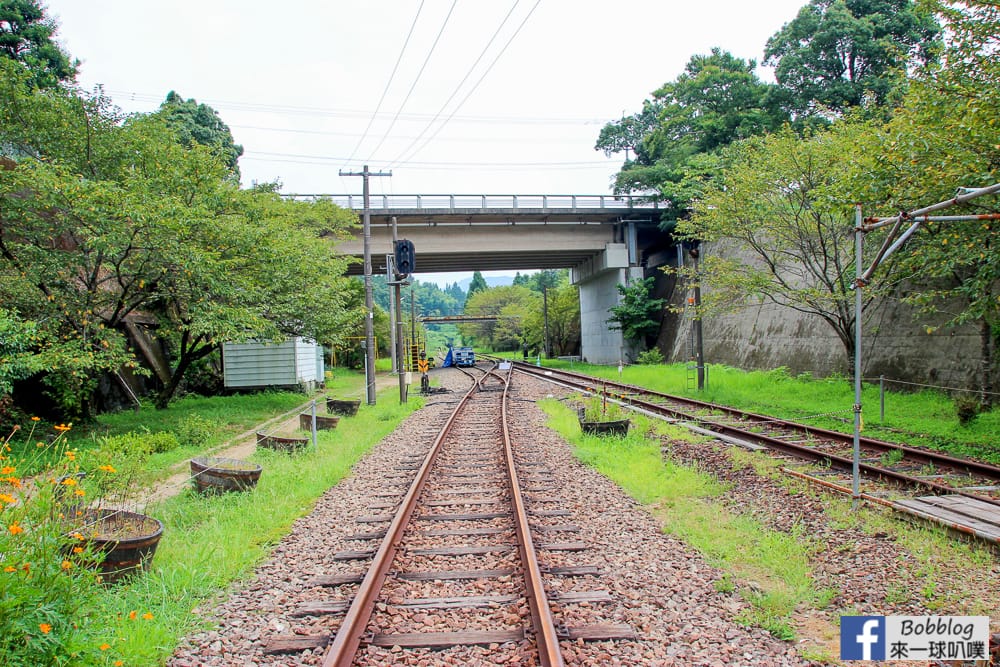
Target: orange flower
71, 456
15, 529
62, 428
15, 482
148, 616
69, 481
67, 565
132, 615
45, 628
119, 663
80, 492
5, 498
78, 550
8, 470
107, 468
105, 647
36, 419
10, 568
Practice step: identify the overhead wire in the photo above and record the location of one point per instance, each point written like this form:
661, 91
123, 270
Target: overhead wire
461, 83
385, 91
416, 80
474, 87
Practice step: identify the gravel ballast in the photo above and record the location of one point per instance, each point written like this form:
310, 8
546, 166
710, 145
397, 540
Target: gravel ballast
660, 587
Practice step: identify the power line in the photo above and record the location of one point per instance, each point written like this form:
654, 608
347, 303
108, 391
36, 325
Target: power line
388, 83
417, 79
464, 79
361, 113
476, 85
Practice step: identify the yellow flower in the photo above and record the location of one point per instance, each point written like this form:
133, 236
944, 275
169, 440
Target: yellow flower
45, 628
107, 468
67, 565
36, 419
15, 529
147, 616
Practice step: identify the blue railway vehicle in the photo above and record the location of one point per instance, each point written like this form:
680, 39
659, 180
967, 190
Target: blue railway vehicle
464, 356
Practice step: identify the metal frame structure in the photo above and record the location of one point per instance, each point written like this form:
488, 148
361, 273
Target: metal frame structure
892, 243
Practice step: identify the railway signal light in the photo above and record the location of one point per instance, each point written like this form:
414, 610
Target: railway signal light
404, 257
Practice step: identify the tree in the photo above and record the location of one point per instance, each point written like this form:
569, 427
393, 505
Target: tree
637, 315
26, 36
511, 305
944, 137
477, 285
113, 232
783, 212
837, 52
716, 100
200, 124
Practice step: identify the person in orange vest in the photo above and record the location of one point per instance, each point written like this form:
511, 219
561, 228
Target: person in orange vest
423, 365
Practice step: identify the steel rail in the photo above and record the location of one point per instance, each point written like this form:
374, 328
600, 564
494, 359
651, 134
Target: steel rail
546, 637
341, 651
587, 383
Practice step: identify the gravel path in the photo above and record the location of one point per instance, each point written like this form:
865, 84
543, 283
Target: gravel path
661, 587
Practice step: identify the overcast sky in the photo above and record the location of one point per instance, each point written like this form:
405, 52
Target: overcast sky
310, 88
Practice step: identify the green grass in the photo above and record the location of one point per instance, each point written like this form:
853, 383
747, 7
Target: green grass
210, 542
925, 418
685, 500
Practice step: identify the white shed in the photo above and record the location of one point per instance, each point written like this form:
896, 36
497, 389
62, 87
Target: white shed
295, 362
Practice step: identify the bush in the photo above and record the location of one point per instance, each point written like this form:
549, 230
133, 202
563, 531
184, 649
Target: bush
46, 584
141, 444
650, 357
194, 431
967, 408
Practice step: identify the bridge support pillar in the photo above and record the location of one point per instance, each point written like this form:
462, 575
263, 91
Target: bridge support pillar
598, 280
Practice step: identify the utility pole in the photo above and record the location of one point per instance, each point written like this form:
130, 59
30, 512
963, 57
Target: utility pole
369, 301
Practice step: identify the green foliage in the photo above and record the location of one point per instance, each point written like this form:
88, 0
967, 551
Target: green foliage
837, 52
715, 101
638, 315
17, 361
783, 211
478, 284
194, 431
87, 184
200, 124
27, 37
650, 357
600, 409
47, 590
511, 305
142, 443
967, 408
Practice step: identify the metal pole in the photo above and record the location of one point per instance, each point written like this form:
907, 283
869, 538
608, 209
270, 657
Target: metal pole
394, 312
545, 321
369, 301
699, 341
858, 305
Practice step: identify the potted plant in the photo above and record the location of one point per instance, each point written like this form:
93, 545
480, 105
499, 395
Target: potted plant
218, 474
599, 416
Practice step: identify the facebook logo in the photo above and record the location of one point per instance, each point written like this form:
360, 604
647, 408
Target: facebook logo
862, 638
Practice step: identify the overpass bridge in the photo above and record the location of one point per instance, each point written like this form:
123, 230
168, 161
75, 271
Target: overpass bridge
604, 240
500, 232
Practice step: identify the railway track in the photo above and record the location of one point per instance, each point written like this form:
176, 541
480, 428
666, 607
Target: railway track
461, 552
956, 492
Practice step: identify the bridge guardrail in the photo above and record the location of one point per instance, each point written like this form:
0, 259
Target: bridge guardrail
487, 202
